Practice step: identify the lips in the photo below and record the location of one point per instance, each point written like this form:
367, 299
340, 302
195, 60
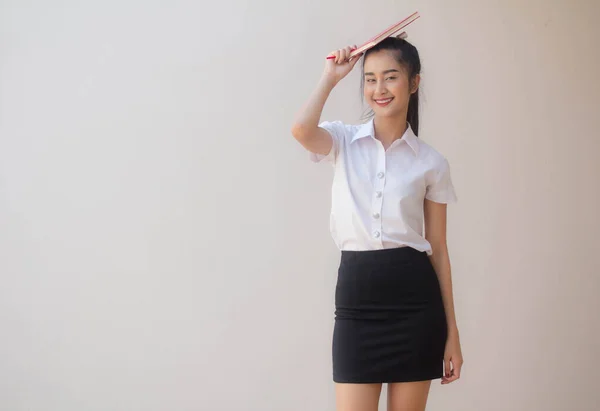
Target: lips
382, 102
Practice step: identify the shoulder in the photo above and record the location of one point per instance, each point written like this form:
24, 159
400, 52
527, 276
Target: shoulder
432, 157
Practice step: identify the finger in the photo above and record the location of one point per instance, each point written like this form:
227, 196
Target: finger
336, 55
348, 50
452, 378
447, 380
447, 369
455, 373
343, 56
351, 49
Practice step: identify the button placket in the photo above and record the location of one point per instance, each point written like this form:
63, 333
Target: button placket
377, 201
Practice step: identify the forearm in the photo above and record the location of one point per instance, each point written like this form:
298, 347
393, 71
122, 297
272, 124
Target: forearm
441, 263
309, 116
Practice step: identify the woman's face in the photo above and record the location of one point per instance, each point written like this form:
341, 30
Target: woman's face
387, 88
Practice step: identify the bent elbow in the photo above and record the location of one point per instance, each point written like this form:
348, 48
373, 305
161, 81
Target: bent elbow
298, 131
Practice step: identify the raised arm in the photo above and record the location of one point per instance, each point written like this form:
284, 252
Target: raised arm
306, 125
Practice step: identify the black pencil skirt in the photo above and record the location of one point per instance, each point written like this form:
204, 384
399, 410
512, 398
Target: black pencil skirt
390, 323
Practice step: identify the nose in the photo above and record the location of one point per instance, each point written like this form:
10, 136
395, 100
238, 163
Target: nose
380, 88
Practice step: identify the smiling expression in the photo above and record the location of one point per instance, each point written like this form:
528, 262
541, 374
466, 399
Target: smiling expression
386, 85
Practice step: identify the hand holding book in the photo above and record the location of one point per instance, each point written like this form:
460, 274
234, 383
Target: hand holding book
340, 65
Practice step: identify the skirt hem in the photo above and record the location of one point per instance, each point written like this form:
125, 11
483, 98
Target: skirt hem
425, 377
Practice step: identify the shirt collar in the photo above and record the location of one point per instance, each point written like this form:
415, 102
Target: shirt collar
368, 130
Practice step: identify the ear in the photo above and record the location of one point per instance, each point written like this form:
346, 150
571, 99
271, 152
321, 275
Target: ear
415, 83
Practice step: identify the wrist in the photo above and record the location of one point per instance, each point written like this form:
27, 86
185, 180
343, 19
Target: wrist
453, 332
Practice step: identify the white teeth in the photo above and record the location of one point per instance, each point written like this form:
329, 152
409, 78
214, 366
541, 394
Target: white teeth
384, 101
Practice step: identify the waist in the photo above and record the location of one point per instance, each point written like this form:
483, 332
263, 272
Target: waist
384, 255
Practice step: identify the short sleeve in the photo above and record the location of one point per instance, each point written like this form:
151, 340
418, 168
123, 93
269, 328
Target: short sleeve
337, 131
440, 189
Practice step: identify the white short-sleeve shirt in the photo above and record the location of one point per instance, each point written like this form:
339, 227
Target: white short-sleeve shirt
378, 195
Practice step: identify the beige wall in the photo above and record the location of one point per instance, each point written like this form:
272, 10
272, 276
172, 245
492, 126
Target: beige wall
164, 242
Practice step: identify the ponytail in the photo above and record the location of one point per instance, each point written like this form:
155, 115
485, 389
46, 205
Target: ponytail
412, 116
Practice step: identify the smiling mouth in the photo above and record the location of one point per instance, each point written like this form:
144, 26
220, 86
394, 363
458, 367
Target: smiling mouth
382, 102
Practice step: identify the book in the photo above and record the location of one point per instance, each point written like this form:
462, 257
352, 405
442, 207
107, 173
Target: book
390, 31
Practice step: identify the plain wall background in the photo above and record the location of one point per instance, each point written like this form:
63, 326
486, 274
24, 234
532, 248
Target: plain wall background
164, 241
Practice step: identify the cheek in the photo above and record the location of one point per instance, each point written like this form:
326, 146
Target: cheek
400, 89
368, 94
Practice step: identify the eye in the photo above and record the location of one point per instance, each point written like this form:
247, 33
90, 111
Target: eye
391, 78
370, 80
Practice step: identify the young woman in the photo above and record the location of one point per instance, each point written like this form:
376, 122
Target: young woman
394, 316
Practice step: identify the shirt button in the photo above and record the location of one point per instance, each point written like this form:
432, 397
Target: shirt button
378, 194
380, 174
375, 215
376, 234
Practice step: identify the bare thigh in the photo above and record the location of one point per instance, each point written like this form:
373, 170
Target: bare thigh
357, 397
408, 396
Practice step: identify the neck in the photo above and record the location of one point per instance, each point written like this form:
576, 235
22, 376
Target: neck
389, 129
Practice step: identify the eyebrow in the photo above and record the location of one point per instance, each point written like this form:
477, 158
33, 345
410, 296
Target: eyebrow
385, 72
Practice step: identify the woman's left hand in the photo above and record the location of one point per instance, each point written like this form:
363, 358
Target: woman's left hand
452, 354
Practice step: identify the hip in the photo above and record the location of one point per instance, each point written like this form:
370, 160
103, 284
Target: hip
387, 280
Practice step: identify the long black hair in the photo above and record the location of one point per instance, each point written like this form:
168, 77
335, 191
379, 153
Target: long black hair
407, 55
